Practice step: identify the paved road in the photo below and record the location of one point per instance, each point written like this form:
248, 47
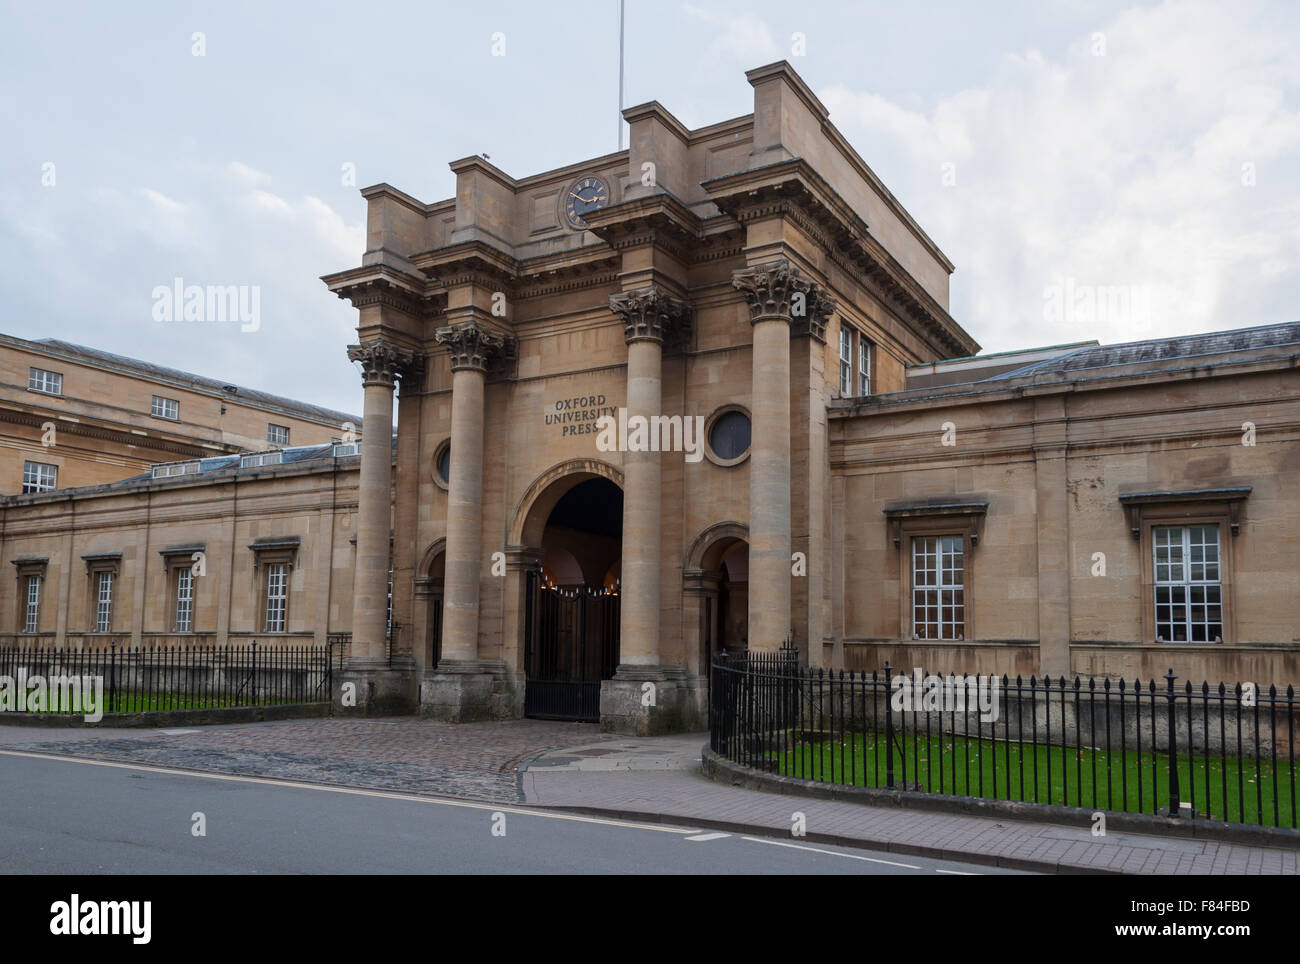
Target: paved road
73, 817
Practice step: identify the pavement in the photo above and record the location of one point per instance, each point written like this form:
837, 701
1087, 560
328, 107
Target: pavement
575, 768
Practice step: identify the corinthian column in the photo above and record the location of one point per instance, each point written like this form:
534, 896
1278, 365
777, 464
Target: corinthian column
778, 295
470, 345
648, 315
382, 363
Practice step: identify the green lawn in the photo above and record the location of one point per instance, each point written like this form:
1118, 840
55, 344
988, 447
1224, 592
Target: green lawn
147, 702
1051, 775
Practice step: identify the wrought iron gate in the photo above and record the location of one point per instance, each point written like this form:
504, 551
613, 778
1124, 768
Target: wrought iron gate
570, 645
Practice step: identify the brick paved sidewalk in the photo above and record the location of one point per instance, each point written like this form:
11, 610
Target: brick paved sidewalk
474, 760
661, 776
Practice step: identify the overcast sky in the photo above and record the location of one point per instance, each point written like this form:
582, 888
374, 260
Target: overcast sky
1146, 153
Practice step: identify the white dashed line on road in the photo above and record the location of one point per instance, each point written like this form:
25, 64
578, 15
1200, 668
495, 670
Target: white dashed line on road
701, 837
833, 853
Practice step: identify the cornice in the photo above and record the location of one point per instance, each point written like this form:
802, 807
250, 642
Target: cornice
792, 189
660, 211
197, 449
1000, 392
381, 285
467, 262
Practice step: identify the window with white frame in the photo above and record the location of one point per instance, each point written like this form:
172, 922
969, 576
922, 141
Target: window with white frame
104, 601
277, 597
168, 469
864, 366
39, 477
47, 383
277, 434
168, 408
1188, 584
938, 587
846, 360
184, 612
262, 458
32, 613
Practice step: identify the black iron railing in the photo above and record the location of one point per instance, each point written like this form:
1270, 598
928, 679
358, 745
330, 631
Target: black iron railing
1209, 751
124, 679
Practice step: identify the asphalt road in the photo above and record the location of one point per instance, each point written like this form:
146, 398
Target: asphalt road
60, 816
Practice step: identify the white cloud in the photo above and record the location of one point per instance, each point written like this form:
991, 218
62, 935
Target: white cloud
741, 37
1117, 171
247, 175
221, 227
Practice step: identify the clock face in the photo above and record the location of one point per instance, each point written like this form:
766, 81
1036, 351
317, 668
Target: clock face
584, 196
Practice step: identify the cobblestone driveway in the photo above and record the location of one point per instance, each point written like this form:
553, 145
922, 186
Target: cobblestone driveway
471, 760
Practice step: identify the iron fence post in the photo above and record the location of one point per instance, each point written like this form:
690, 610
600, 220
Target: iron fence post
889, 730
253, 685
112, 672
1174, 802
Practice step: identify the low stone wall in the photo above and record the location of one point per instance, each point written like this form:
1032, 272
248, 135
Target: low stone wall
1009, 658
1263, 664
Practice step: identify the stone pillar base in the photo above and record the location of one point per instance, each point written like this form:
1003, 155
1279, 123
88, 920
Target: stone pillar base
465, 691
375, 688
652, 700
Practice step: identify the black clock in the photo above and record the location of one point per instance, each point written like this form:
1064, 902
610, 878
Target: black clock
587, 194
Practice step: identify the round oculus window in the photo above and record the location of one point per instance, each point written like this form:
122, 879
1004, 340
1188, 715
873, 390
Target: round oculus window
729, 435
442, 463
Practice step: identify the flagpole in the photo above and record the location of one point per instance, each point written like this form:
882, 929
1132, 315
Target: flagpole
620, 73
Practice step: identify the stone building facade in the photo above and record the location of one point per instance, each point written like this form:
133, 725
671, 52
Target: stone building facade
705, 394
75, 416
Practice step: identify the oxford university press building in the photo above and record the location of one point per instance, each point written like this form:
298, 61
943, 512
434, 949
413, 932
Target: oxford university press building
810, 452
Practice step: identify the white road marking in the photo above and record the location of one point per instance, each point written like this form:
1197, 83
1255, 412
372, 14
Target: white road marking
176, 732
701, 837
353, 791
833, 853
958, 873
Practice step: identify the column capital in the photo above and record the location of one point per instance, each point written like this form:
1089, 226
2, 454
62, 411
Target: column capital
778, 291
472, 345
651, 314
383, 362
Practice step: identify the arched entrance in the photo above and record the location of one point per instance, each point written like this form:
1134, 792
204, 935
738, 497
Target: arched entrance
571, 597
716, 578
429, 595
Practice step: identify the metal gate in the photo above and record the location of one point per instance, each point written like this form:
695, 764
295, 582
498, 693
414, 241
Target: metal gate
570, 645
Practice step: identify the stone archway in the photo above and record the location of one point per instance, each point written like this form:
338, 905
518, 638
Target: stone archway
715, 578
429, 590
562, 602
534, 507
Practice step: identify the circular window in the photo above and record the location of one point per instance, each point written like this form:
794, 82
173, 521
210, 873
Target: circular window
729, 436
442, 464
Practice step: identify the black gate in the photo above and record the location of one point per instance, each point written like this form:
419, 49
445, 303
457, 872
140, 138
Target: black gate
570, 645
